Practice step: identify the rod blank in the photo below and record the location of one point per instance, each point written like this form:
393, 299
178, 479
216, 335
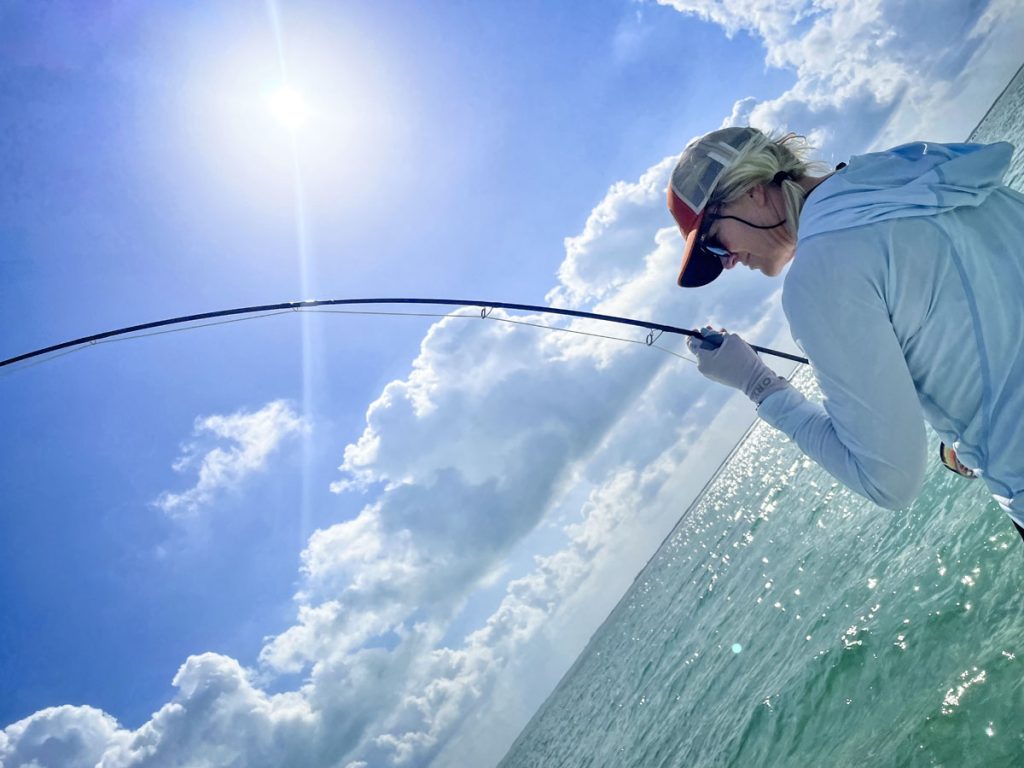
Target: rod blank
297, 305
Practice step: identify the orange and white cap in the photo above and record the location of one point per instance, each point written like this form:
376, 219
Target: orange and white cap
694, 179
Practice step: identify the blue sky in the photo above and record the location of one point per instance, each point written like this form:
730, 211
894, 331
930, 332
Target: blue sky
382, 539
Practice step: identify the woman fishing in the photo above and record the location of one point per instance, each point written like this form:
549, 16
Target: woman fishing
905, 290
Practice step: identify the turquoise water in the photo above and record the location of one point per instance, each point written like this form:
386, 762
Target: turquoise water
788, 622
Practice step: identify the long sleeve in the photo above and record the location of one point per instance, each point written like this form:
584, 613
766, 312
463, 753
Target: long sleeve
870, 433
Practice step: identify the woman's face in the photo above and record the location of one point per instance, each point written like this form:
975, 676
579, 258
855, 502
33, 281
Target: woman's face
767, 250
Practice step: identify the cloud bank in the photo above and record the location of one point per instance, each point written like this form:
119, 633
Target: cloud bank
875, 73
504, 440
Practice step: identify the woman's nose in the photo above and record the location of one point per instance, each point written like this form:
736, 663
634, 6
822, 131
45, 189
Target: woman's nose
728, 262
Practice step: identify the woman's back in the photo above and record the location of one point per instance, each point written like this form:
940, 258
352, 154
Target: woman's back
950, 286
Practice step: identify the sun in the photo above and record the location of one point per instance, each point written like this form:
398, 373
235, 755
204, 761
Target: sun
289, 107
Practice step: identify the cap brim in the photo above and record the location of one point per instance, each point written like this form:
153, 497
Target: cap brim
699, 267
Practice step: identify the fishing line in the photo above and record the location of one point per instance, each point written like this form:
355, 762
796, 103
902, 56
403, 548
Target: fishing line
502, 320
192, 327
85, 345
485, 316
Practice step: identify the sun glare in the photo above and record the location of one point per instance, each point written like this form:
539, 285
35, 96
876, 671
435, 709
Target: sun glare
288, 106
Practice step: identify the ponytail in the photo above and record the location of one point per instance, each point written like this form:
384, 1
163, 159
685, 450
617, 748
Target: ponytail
781, 160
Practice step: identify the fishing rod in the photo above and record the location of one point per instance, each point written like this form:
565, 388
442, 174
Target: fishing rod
300, 305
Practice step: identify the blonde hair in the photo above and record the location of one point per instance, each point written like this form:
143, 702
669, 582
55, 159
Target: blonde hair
760, 161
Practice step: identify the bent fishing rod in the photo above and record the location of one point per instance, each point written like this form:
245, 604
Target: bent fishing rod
300, 305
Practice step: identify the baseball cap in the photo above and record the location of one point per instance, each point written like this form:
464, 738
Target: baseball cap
694, 178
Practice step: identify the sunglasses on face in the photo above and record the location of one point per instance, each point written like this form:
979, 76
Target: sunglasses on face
709, 242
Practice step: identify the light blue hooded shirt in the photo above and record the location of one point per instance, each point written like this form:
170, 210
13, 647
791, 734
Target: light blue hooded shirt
906, 293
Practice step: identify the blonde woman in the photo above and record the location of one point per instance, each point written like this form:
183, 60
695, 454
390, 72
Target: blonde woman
905, 290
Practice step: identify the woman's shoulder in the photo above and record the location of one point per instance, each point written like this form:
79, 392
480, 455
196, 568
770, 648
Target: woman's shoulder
831, 265
829, 253
869, 241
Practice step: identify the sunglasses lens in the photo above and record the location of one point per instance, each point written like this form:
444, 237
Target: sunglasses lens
712, 246
710, 242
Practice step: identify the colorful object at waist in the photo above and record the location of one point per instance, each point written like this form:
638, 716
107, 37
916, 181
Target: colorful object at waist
948, 457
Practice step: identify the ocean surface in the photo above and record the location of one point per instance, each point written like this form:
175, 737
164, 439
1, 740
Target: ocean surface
788, 622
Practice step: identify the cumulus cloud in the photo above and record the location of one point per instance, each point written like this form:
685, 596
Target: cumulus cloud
596, 260
875, 72
71, 737
496, 429
452, 681
251, 438
218, 718
500, 433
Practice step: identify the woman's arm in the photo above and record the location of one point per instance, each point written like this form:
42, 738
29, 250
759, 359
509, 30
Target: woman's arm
870, 433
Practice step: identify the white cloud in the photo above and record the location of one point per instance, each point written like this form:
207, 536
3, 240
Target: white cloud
218, 718
71, 737
498, 428
252, 437
620, 224
874, 73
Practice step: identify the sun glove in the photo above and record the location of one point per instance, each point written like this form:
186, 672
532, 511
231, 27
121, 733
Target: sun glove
726, 358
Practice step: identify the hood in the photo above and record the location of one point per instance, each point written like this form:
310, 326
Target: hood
919, 179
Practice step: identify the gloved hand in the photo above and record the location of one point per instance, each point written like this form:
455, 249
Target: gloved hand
726, 358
